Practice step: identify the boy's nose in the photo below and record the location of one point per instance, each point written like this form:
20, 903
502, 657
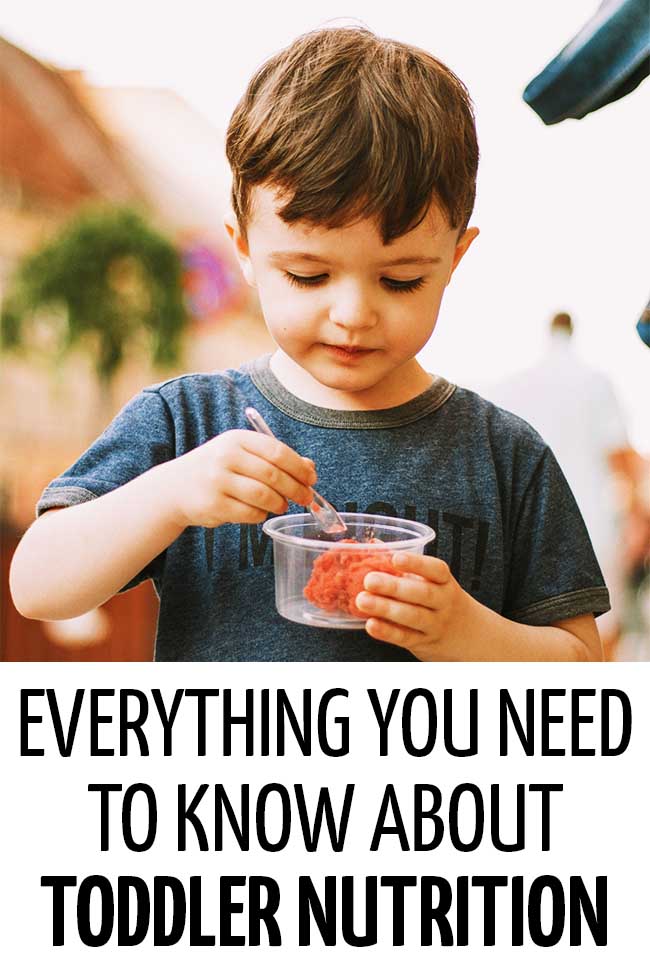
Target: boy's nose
352, 310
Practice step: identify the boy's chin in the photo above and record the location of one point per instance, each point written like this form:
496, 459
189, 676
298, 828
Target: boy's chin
322, 379
341, 376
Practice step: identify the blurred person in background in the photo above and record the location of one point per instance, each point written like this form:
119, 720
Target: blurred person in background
635, 480
576, 411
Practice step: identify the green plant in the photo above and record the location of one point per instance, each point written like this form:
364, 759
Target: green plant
109, 275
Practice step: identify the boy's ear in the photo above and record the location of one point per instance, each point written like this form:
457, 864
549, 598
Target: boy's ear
461, 248
240, 245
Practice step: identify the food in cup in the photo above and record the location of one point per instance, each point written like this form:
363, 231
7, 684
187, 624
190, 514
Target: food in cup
337, 575
301, 593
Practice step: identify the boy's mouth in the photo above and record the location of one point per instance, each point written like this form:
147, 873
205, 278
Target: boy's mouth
349, 352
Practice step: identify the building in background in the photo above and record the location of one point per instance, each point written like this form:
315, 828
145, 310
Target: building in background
65, 144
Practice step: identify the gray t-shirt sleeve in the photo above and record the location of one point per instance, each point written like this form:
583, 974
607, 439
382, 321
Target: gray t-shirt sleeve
140, 436
554, 573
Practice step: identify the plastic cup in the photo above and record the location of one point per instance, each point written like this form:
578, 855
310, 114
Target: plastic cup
298, 541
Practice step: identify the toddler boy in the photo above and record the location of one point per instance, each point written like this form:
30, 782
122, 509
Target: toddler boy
354, 164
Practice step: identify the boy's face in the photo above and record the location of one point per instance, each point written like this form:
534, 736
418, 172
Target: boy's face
349, 313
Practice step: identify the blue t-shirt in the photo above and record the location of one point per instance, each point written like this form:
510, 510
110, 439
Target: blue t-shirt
505, 519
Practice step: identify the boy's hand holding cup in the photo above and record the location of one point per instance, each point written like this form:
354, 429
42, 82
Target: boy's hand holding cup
424, 610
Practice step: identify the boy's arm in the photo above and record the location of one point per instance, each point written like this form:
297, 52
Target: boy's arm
499, 639
73, 559
427, 612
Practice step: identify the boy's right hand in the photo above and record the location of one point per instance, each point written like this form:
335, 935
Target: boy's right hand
239, 476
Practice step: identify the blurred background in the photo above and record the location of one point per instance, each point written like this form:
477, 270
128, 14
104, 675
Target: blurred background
115, 270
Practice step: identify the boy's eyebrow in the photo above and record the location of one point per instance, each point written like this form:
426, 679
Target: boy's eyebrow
412, 260
296, 256
315, 259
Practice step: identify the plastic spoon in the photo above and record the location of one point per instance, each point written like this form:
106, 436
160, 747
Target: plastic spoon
325, 514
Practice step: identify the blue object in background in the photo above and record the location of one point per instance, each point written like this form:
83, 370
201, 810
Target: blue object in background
643, 325
607, 59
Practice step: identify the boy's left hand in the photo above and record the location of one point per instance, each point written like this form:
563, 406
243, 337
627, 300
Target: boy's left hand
425, 611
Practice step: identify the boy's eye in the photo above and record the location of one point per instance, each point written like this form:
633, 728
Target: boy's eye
304, 281
300, 281
411, 285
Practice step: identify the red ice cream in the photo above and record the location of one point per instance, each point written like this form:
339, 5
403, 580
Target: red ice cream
337, 577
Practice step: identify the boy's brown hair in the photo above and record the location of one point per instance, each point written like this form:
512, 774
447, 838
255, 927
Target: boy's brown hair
348, 126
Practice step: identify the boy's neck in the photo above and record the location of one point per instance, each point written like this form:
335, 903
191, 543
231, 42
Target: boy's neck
402, 385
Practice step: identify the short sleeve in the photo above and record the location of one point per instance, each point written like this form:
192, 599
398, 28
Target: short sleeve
140, 437
553, 572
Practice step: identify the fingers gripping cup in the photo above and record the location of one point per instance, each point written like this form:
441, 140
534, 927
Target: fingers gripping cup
317, 580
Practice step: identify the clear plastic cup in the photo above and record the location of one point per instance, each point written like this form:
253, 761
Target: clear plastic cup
298, 542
